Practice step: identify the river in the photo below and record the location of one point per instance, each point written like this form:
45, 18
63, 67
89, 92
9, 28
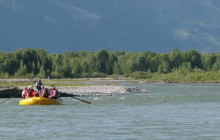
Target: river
170, 111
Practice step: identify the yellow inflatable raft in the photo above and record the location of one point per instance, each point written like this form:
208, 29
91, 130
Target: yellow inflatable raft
40, 101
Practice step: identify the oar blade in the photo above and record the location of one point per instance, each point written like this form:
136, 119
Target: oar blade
86, 101
82, 100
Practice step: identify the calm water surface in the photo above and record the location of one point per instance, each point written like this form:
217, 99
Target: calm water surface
170, 111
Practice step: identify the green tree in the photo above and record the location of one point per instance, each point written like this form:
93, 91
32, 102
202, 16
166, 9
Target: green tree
22, 71
163, 67
195, 59
42, 73
102, 60
216, 65
208, 61
175, 58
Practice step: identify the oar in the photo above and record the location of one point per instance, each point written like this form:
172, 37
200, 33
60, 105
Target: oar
81, 100
10, 98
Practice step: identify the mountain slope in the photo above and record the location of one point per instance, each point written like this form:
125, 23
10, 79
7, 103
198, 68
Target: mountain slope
128, 25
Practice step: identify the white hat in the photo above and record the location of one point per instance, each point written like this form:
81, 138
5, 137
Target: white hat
29, 87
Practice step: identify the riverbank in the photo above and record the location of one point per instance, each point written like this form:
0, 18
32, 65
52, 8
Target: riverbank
99, 90
6, 92
71, 87
91, 81
81, 86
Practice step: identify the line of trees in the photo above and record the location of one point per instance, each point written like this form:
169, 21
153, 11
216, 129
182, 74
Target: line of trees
30, 63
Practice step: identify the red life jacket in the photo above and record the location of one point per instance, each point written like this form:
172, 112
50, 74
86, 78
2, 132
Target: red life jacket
26, 93
34, 93
41, 92
51, 92
31, 93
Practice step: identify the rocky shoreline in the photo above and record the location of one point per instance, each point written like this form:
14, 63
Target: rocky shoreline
99, 90
6, 92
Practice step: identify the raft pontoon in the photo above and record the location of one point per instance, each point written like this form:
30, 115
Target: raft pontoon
40, 101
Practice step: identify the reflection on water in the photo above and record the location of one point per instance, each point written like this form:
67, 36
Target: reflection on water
170, 111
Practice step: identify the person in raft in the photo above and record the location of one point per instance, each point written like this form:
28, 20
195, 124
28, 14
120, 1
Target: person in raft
44, 92
30, 92
23, 93
53, 93
38, 85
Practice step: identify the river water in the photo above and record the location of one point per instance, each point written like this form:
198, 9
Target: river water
169, 112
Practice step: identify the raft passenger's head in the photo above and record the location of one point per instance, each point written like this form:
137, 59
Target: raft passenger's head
29, 87
39, 80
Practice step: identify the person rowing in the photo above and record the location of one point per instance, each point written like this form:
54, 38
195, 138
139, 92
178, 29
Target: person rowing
53, 93
44, 92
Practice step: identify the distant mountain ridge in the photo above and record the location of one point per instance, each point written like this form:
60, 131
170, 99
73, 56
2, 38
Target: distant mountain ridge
127, 25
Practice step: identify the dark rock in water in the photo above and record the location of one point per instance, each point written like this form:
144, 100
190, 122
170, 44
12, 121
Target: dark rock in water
136, 90
7, 92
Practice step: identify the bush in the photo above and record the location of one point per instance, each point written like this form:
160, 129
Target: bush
98, 75
85, 75
114, 76
140, 75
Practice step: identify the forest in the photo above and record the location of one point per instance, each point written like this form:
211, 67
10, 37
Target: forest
176, 66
